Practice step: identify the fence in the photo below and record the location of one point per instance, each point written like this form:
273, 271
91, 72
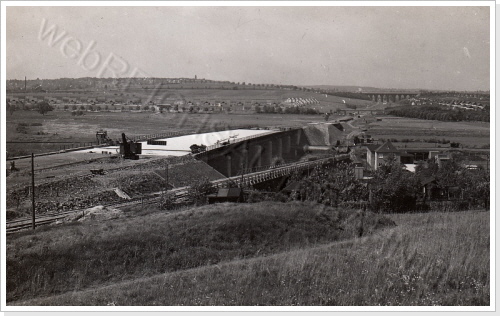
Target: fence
156, 136
276, 172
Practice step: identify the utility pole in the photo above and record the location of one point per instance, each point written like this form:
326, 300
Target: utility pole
166, 171
142, 198
166, 175
242, 173
33, 189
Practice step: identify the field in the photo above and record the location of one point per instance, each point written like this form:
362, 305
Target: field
201, 95
61, 127
469, 134
255, 254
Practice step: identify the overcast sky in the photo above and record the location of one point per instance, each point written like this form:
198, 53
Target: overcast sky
386, 47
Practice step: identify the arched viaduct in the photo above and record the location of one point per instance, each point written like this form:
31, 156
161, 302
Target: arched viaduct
390, 97
253, 154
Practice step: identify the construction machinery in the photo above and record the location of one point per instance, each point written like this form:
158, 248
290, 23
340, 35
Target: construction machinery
102, 138
130, 149
196, 149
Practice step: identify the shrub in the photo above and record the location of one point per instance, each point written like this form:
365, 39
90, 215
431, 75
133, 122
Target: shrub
21, 128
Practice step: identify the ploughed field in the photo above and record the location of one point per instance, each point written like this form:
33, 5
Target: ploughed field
73, 186
267, 253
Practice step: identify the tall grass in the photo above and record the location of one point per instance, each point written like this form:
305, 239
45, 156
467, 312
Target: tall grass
428, 259
75, 257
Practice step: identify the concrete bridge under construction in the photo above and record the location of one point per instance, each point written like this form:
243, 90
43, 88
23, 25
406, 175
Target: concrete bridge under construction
252, 154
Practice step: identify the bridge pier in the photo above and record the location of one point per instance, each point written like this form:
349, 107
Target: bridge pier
228, 164
244, 158
256, 154
268, 153
288, 143
280, 148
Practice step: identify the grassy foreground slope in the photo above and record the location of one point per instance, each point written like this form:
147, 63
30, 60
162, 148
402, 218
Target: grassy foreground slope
78, 256
427, 259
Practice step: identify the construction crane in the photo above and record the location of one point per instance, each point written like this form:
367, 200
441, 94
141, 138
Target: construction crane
130, 149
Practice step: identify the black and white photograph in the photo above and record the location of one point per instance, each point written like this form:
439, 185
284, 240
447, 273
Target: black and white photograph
248, 156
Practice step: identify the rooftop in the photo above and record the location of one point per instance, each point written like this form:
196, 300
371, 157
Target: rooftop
386, 147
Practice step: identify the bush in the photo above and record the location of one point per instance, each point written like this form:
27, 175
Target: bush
167, 202
21, 128
198, 192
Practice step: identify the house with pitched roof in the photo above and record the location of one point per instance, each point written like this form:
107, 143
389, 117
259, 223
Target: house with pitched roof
377, 155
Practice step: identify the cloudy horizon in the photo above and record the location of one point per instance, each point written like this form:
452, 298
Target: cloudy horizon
438, 48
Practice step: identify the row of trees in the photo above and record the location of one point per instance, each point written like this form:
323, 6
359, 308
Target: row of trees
286, 110
433, 112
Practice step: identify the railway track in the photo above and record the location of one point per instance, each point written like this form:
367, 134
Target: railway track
181, 194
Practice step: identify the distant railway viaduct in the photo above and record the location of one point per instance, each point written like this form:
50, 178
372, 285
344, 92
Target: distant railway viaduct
390, 96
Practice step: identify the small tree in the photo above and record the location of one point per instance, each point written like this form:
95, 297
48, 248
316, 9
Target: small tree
11, 108
198, 191
44, 107
395, 189
167, 201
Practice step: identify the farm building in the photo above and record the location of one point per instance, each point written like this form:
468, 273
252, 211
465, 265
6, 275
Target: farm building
432, 192
441, 158
476, 162
226, 195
